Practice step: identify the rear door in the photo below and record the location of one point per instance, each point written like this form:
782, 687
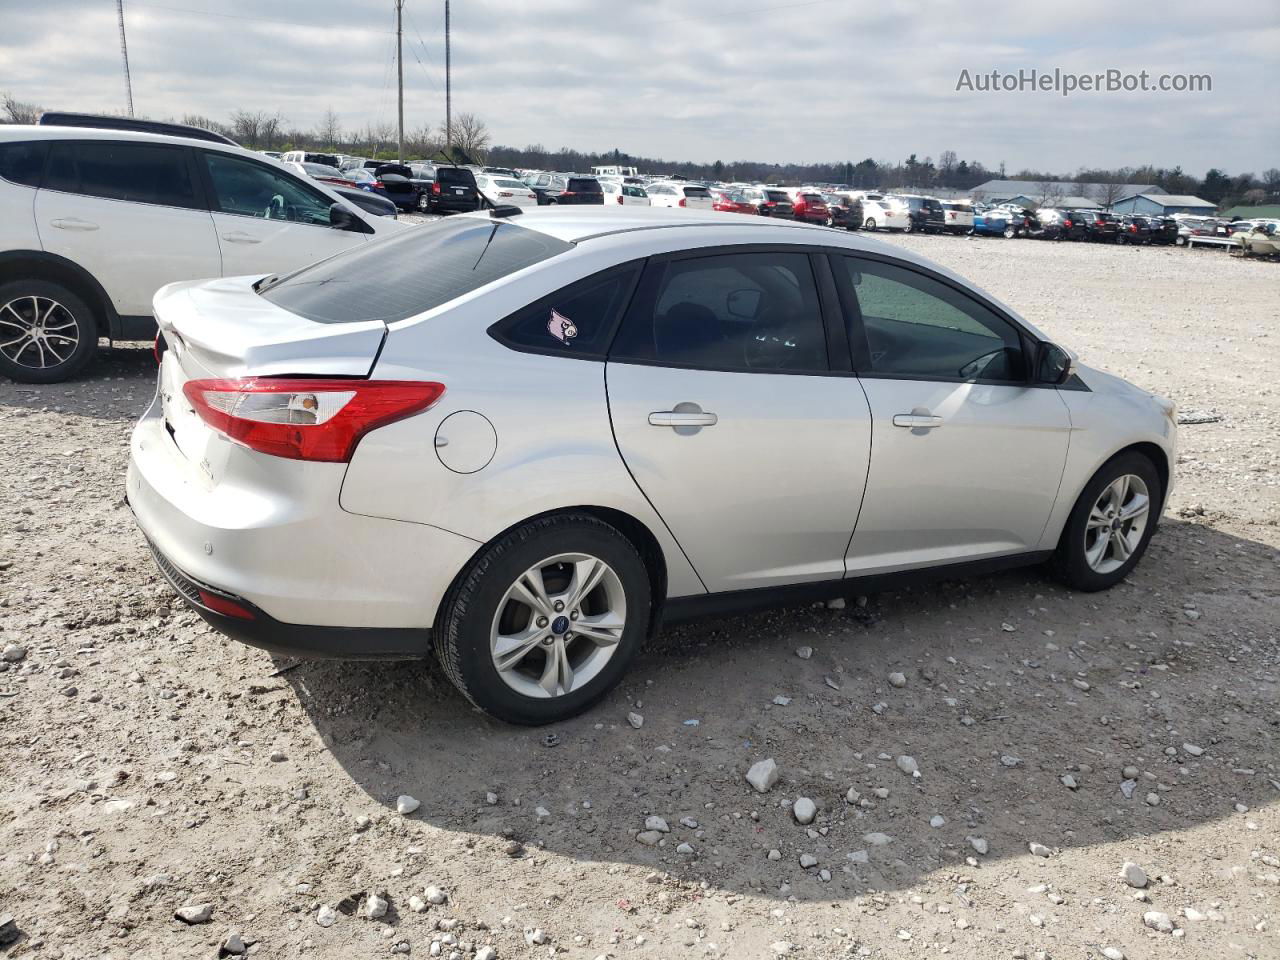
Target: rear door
130, 213
967, 455
266, 220
732, 420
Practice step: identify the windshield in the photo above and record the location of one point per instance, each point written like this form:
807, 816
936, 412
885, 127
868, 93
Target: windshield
410, 272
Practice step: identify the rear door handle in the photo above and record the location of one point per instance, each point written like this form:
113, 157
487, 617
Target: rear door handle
916, 420
673, 418
73, 223
240, 237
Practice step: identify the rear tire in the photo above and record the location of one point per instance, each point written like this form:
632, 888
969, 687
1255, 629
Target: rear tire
1010, 233
1090, 556
910, 227
870, 224
56, 333
479, 617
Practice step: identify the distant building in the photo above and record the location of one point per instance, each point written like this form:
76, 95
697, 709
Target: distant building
1270, 212
1061, 203
1000, 191
1160, 204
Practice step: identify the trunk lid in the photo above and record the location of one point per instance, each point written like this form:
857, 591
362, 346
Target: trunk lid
223, 328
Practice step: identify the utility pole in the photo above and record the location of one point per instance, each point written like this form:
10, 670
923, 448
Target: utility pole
400, 80
124, 55
448, 87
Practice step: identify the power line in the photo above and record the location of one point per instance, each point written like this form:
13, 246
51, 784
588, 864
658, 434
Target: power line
237, 16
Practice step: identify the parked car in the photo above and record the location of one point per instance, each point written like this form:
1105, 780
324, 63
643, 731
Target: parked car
303, 156
924, 214
1099, 226
499, 191
959, 216
770, 201
397, 182
94, 221
566, 189
1190, 226
1164, 230
367, 201
1133, 229
322, 172
992, 222
452, 477
679, 193
843, 211
365, 180
880, 212
808, 206
727, 200
621, 193
1023, 221
1060, 224
454, 190
506, 172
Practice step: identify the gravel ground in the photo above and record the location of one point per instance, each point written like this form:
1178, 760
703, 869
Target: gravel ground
154, 771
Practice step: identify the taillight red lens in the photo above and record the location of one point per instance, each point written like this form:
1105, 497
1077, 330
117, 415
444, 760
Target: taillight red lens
158, 348
435, 188
682, 203
228, 608
619, 198
298, 419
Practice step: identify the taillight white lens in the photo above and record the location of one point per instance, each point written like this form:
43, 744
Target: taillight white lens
320, 420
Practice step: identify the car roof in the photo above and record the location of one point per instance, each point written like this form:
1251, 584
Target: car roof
41, 132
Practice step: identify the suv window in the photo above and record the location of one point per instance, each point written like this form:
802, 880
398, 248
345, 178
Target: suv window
584, 185
455, 176
411, 272
136, 172
755, 312
23, 162
576, 321
251, 189
915, 326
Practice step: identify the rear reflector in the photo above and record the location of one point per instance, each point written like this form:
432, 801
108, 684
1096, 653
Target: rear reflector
228, 608
298, 419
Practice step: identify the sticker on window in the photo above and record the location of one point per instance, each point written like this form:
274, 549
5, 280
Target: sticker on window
561, 327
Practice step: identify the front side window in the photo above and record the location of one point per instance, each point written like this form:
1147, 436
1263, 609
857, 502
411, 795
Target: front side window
915, 326
411, 271
136, 172
577, 321
23, 162
754, 312
249, 189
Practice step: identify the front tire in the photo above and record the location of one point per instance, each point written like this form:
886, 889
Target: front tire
1110, 525
546, 620
1010, 233
870, 224
47, 333
910, 227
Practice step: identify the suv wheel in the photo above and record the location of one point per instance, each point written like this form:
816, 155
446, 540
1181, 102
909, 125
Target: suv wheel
47, 333
910, 227
1110, 525
546, 620
424, 202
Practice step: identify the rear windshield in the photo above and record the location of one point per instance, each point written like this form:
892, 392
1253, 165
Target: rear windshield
455, 175
396, 170
697, 192
584, 185
410, 272
777, 196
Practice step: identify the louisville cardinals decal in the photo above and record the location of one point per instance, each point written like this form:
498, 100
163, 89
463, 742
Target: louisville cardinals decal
561, 327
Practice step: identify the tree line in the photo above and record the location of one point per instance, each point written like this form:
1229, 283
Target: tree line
261, 130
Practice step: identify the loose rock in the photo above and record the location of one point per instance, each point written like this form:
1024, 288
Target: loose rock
763, 775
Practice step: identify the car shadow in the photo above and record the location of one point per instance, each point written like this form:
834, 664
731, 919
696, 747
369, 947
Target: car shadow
118, 385
990, 711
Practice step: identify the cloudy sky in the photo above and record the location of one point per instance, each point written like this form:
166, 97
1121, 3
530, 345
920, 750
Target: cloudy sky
808, 80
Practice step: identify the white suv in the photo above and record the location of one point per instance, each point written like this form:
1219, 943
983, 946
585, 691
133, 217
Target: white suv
94, 220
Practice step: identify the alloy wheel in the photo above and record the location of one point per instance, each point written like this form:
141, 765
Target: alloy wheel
1116, 523
558, 625
37, 332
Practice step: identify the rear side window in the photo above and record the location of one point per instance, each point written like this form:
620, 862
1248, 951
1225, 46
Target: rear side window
577, 321
136, 172
23, 162
411, 272
697, 192
750, 312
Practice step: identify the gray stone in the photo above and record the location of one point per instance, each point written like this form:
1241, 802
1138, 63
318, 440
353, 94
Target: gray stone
650, 838
1039, 849
13, 652
635, 719
656, 823
1158, 921
1133, 875
979, 844
406, 804
436, 895
804, 810
897, 680
763, 775
908, 765
234, 944
195, 913
375, 906
326, 916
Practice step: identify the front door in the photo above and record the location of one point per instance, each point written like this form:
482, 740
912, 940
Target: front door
967, 455
268, 221
731, 421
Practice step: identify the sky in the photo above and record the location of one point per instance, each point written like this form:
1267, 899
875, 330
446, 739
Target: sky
800, 81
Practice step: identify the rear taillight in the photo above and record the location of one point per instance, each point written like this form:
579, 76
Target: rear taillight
682, 202
298, 419
770, 203
1066, 223
159, 347
224, 606
435, 188
619, 198
379, 183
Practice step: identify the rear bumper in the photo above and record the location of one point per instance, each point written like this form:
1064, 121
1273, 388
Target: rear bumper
271, 535
293, 639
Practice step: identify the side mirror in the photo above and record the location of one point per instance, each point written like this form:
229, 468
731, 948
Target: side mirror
743, 304
342, 217
1055, 364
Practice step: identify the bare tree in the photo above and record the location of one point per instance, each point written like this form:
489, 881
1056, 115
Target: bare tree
330, 130
471, 135
1049, 192
205, 123
246, 127
17, 112
272, 131
1271, 180
1109, 193
424, 141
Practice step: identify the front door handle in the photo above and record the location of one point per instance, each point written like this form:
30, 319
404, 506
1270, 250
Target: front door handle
677, 418
73, 223
240, 237
916, 421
